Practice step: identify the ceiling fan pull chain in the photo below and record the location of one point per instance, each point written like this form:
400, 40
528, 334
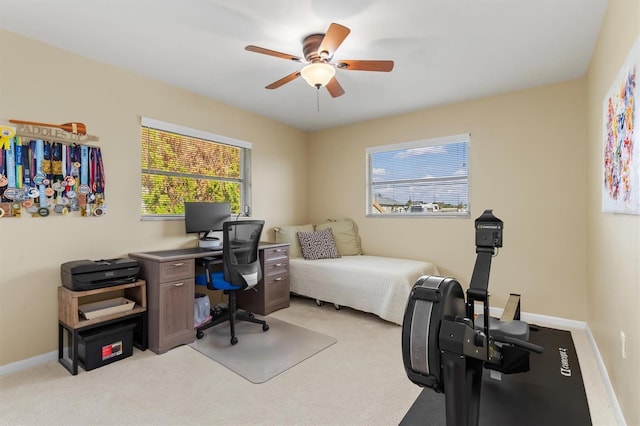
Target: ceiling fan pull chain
318, 99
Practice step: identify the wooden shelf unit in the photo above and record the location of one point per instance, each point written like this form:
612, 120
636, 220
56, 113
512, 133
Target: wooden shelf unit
69, 301
69, 318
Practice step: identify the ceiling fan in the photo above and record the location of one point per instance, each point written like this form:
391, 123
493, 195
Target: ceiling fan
318, 52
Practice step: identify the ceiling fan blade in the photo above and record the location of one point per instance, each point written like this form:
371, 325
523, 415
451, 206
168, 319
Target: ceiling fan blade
283, 80
332, 40
355, 65
262, 50
334, 88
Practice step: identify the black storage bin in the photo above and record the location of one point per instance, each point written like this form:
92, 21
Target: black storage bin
104, 345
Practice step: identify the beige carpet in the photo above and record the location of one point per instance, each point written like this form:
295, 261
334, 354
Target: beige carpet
360, 380
259, 356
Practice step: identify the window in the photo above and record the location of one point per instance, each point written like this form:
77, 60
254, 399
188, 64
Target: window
420, 178
181, 164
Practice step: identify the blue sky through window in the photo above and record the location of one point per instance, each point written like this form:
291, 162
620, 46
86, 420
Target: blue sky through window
436, 173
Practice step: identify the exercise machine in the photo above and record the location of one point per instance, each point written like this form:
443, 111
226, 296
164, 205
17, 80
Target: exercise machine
445, 346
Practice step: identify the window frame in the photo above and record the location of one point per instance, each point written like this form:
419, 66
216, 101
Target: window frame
245, 163
371, 211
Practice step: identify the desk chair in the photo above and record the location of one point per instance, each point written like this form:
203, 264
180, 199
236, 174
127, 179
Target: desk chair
241, 271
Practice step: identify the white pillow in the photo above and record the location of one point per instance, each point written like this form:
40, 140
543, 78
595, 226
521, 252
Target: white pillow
345, 234
289, 234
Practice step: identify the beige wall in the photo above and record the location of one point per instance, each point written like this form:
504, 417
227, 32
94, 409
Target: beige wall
527, 163
613, 256
49, 85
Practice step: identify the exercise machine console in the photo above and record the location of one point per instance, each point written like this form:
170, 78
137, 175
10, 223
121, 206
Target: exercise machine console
445, 345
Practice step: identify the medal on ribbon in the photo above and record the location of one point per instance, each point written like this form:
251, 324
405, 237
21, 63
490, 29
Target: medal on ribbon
11, 189
16, 210
6, 134
5, 209
84, 188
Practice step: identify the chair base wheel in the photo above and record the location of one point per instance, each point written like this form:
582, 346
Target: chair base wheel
265, 327
199, 334
234, 340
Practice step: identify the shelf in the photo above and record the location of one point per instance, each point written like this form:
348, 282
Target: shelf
87, 322
69, 302
107, 307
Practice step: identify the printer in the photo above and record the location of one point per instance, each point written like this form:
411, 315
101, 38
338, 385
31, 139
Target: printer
80, 275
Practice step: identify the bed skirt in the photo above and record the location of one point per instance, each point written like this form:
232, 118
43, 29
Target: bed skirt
375, 284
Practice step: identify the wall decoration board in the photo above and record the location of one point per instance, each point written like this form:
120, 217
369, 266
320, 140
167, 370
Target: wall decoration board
46, 169
621, 134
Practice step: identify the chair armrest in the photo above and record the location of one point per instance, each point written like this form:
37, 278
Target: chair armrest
207, 261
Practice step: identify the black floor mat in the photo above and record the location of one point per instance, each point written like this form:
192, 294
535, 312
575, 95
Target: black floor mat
550, 393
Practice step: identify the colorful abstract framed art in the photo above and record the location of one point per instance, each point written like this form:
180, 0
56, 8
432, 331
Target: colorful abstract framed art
621, 160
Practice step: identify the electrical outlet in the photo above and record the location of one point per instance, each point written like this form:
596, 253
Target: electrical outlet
623, 345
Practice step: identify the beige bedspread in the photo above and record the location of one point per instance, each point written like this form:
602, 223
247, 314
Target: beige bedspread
379, 285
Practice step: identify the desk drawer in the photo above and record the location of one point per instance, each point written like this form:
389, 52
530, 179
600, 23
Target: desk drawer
177, 269
281, 278
276, 289
276, 253
276, 266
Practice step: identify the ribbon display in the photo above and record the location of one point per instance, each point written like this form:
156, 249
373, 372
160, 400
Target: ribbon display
45, 177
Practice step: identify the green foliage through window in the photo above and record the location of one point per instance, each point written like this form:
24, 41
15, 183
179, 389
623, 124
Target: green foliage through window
178, 168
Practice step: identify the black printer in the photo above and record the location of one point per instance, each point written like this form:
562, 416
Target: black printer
80, 275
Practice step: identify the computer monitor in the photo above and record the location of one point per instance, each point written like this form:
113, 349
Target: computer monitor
205, 217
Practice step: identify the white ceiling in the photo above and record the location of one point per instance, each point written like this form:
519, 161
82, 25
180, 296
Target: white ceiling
444, 50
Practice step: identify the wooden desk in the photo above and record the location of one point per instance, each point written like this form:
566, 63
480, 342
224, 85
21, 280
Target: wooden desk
170, 277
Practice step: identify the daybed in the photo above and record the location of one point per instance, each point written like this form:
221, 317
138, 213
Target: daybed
329, 266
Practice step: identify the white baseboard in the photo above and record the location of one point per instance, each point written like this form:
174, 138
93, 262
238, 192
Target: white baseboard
23, 364
605, 379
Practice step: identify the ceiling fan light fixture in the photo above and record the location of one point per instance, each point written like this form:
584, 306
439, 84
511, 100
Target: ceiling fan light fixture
318, 74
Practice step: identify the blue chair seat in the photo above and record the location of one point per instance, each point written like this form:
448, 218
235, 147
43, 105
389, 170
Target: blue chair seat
218, 281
